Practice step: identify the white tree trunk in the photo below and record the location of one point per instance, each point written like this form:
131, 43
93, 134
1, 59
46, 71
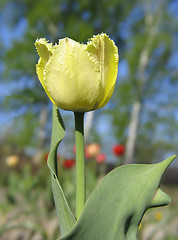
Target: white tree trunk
41, 135
88, 124
152, 24
134, 122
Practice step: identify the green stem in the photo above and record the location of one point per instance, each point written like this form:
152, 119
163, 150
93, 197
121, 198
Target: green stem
80, 162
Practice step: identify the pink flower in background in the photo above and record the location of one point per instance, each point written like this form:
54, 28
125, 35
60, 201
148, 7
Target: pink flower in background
101, 158
74, 149
92, 150
68, 163
118, 150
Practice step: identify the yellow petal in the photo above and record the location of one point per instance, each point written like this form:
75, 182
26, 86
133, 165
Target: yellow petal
45, 51
72, 77
105, 52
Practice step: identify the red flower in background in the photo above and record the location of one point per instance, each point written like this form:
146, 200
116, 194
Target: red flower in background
101, 158
118, 150
92, 150
46, 157
68, 163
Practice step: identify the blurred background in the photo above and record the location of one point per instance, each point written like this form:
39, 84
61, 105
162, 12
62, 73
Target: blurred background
138, 125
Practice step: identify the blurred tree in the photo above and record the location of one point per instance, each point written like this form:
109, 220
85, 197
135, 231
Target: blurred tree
53, 20
144, 32
147, 55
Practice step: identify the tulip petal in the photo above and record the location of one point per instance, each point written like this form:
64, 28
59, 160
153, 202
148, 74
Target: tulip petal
45, 51
72, 77
104, 51
78, 77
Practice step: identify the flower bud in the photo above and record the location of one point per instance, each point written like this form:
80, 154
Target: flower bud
78, 77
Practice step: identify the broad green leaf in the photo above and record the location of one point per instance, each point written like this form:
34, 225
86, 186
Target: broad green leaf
65, 216
115, 208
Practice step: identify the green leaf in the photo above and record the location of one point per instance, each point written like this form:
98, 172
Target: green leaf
65, 216
114, 210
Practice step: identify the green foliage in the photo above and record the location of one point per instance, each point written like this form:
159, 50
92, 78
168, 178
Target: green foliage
80, 20
22, 184
171, 238
25, 135
65, 217
115, 208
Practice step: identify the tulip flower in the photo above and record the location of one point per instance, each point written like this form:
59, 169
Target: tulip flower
74, 149
86, 151
92, 150
118, 150
158, 216
46, 157
101, 158
68, 163
12, 160
78, 77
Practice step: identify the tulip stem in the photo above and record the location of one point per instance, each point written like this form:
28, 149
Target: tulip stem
80, 163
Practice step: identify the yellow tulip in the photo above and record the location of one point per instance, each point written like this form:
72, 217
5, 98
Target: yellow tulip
78, 77
158, 216
12, 160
